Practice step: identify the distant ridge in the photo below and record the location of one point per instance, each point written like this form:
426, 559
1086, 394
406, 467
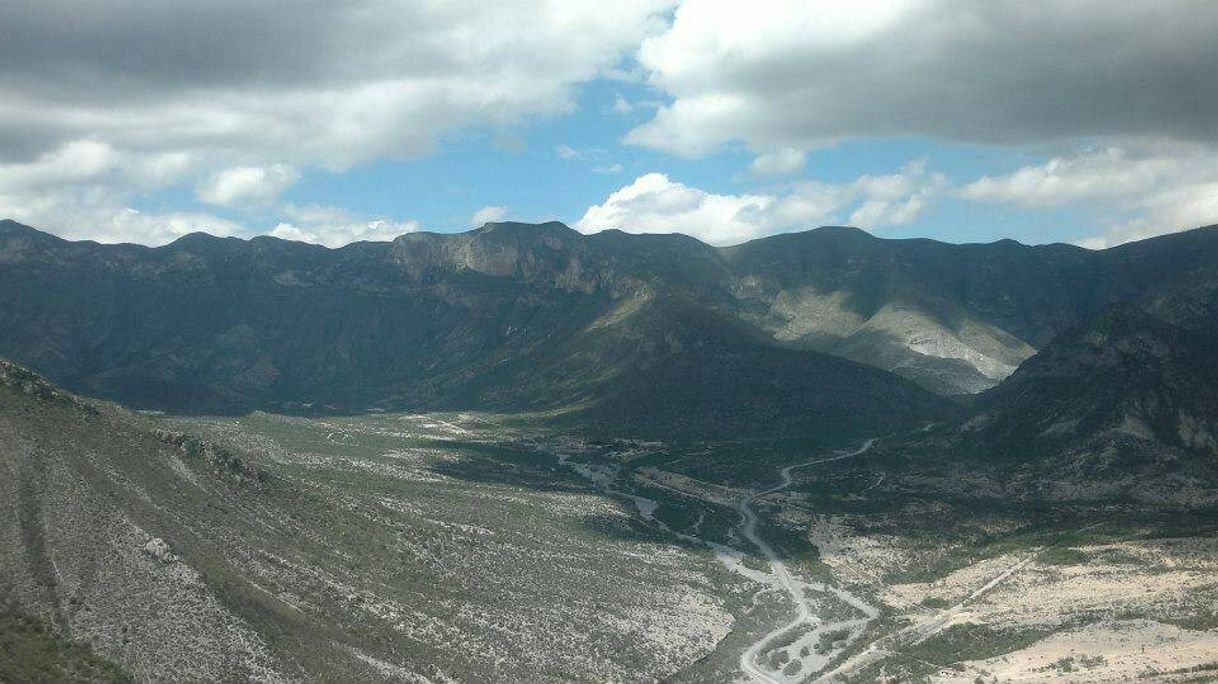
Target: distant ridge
432, 321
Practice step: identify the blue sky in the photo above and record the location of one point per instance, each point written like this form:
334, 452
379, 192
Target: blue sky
520, 169
1093, 123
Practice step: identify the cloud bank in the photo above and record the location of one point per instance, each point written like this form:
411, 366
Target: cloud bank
109, 102
808, 73
654, 203
113, 98
1165, 188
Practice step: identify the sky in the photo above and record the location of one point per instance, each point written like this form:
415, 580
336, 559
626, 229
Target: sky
1091, 122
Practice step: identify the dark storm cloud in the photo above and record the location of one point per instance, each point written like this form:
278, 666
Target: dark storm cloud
110, 49
990, 72
349, 79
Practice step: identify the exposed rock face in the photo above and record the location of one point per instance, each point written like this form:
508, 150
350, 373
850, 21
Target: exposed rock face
960, 318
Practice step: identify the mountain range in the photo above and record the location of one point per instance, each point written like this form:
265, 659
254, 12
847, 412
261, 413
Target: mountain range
1010, 387
653, 333
1123, 408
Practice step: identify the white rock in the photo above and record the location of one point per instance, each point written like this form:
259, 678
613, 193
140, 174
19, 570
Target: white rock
158, 549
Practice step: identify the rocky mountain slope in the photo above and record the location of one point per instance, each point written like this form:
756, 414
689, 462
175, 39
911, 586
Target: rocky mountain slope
960, 318
510, 317
476, 320
86, 497
1124, 373
379, 548
1122, 408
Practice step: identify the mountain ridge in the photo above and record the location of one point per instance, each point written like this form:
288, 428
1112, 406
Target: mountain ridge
1124, 372
224, 324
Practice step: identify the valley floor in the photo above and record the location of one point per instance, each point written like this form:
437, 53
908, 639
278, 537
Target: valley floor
463, 547
777, 582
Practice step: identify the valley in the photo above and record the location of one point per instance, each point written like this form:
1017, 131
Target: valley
773, 586
468, 546
524, 454
644, 342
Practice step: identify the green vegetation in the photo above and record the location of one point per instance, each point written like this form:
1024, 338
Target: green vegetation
1063, 555
968, 641
30, 651
935, 603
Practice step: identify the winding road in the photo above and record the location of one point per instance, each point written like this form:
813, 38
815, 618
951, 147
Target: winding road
793, 587
779, 577
814, 626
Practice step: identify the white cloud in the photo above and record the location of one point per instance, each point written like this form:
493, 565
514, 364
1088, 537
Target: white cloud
567, 152
488, 215
335, 227
231, 102
621, 105
653, 203
75, 161
1145, 191
809, 73
380, 79
81, 190
781, 162
85, 162
1102, 174
87, 190
896, 199
600, 159
159, 227
95, 116
243, 185
92, 215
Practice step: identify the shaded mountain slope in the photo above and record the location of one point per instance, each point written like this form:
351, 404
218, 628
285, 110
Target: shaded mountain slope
221, 325
509, 317
1121, 410
1124, 373
960, 318
663, 367
430, 321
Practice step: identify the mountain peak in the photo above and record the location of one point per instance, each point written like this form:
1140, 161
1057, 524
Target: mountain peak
848, 234
197, 237
27, 235
9, 226
519, 228
851, 231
